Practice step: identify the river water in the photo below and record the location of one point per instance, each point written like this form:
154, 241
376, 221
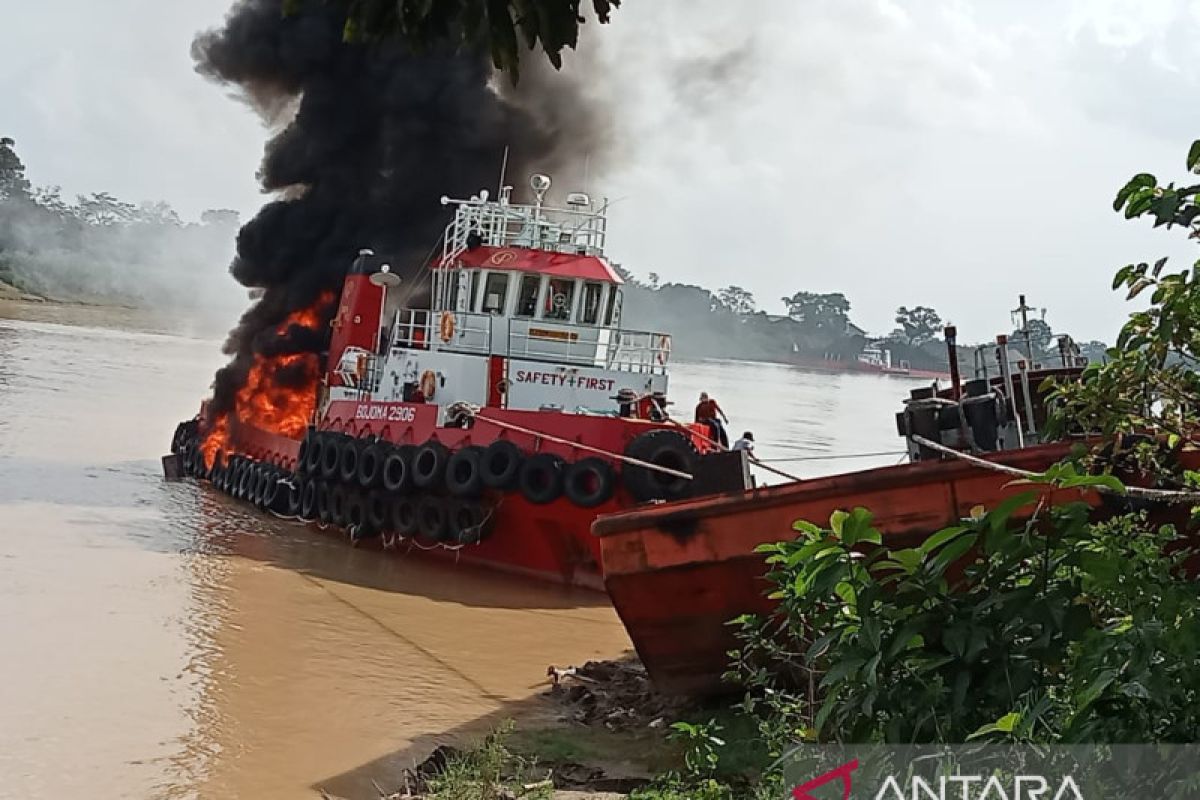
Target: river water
158, 640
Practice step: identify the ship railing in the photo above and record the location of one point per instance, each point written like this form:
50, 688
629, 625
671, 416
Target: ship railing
470, 333
604, 348
417, 328
641, 351
412, 328
579, 230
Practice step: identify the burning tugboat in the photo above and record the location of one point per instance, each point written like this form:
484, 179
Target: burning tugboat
495, 424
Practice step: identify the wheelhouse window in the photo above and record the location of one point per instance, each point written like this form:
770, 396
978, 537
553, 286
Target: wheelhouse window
558, 299
528, 297
614, 307
473, 299
589, 309
495, 290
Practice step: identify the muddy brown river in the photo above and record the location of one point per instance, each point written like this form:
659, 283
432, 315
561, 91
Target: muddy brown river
160, 640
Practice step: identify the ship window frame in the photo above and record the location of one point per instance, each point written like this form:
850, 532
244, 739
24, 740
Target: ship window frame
615, 296
597, 312
526, 278
548, 312
507, 282
474, 301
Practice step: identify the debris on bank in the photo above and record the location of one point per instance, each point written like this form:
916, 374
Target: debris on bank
616, 695
604, 697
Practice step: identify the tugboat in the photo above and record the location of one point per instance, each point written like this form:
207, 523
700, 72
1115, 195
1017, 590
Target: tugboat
493, 425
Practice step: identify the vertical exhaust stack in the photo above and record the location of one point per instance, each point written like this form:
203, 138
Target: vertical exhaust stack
359, 313
951, 334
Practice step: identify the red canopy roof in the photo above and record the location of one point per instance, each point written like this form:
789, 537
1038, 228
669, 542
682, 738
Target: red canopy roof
523, 259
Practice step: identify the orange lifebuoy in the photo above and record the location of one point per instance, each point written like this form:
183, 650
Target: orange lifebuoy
428, 384
664, 350
446, 326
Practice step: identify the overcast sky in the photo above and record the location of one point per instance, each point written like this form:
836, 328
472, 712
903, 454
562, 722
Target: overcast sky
932, 152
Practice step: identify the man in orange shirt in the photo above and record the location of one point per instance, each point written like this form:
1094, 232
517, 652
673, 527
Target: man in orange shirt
707, 412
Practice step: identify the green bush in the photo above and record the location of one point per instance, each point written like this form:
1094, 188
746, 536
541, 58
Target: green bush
1051, 629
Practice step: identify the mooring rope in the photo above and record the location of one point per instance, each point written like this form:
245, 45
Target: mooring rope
833, 457
1161, 495
474, 412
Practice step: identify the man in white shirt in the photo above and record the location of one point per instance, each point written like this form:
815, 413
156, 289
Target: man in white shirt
745, 443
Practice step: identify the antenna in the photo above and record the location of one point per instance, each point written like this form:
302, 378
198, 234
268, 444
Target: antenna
503, 169
587, 171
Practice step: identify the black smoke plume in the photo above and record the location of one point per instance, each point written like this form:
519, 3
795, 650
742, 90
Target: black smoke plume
379, 134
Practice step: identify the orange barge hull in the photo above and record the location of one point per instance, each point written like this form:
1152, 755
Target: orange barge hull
677, 573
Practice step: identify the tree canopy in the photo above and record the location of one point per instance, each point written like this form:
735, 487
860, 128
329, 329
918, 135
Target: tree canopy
13, 182
824, 312
503, 26
920, 324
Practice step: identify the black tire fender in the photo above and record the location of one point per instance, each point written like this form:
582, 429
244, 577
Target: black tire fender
432, 518
370, 465
589, 482
403, 516
464, 473
541, 478
397, 469
324, 503
500, 465
665, 448
331, 455
354, 514
337, 505
376, 510
470, 523
311, 466
308, 499
429, 465
348, 460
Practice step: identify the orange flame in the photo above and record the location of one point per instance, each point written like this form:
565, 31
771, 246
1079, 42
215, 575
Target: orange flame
267, 400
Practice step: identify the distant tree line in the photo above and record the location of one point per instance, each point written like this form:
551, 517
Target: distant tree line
101, 249
727, 323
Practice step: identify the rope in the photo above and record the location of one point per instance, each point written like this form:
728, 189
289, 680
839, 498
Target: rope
1163, 495
832, 457
588, 448
753, 460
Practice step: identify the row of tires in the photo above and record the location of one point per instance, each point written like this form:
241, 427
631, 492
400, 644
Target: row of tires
500, 466
363, 513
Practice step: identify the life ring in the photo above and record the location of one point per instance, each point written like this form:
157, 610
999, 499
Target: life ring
428, 384
664, 349
446, 326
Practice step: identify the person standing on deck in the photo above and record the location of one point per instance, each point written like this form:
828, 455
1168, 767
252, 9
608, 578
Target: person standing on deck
707, 412
745, 443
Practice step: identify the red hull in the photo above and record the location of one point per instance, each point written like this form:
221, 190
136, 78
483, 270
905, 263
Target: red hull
551, 541
677, 573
